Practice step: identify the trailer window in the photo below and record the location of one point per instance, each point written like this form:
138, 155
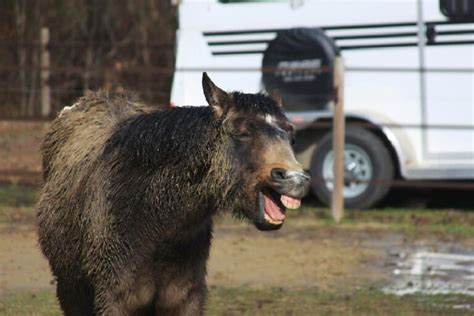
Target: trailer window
458, 9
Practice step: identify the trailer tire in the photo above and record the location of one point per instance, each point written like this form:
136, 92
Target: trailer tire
368, 169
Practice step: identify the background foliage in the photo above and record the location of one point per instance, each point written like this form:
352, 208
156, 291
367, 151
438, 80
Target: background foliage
111, 44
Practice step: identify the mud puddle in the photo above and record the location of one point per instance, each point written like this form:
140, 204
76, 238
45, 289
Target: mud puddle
424, 271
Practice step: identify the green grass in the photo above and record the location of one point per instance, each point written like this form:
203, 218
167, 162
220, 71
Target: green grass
17, 203
413, 222
16, 195
39, 303
10, 138
280, 301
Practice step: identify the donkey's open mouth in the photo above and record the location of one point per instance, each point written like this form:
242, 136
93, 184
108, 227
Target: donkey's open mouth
273, 207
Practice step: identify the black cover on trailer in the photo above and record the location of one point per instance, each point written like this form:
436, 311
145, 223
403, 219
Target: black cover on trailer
298, 65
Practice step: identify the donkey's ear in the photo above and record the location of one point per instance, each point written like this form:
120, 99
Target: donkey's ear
217, 98
276, 96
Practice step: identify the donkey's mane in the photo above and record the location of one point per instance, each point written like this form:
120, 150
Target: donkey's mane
253, 103
165, 137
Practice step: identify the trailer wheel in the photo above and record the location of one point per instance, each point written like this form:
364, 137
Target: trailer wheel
368, 169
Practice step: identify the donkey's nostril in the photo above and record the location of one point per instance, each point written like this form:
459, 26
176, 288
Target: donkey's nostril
278, 174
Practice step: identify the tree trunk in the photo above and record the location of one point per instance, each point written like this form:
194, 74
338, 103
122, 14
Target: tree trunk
32, 109
88, 66
144, 46
20, 20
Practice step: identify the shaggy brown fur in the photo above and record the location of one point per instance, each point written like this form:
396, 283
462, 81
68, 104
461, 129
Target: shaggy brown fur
125, 215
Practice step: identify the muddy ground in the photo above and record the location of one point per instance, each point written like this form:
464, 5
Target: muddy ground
241, 256
310, 266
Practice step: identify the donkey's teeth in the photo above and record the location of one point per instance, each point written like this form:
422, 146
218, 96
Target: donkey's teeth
272, 221
290, 202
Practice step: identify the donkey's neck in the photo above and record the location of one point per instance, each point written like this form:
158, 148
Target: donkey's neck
182, 159
167, 137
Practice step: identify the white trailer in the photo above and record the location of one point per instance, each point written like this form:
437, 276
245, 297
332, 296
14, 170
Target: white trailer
409, 82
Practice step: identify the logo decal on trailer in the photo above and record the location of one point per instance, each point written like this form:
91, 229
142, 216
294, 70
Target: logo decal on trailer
298, 70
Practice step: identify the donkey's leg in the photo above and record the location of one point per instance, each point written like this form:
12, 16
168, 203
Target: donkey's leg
181, 277
108, 304
192, 304
125, 293
181, 287
120, 306
75, 298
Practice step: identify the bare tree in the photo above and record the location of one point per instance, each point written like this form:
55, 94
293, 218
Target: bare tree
93, 44
20, 22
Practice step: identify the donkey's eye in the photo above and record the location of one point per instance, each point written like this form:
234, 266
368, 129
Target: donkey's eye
242, 136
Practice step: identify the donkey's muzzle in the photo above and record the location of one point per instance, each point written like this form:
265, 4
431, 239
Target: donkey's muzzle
291, 183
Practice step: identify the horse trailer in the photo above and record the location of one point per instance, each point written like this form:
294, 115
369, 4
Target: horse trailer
409, 81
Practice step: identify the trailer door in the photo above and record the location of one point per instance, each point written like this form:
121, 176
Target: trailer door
449, 80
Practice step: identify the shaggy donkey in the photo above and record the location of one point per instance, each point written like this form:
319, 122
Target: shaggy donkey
125, 215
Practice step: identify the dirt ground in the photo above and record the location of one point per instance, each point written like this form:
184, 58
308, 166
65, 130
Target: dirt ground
306, 255
294, 257
241, 256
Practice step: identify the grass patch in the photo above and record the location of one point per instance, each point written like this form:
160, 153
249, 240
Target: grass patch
280, 301
17, 203
10, 138
39, 303
412, 222
16, 195
13, 132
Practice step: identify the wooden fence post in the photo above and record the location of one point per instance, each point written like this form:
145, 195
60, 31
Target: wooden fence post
44, 74
337, 202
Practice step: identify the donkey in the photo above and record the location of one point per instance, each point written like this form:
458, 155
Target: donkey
126, 212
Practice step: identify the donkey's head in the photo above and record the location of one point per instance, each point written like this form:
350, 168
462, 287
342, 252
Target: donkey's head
270, 178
